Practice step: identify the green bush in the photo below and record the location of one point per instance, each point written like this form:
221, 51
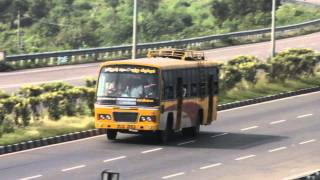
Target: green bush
31, 91
229, 77
8, 125
293, 64
53, 101
56, 86
247, 65
3, 95
91, 82
4, 66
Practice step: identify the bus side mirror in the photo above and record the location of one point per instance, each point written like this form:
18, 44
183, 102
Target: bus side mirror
108, 175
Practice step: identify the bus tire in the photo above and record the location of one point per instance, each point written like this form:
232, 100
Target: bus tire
112, 134
193, 131
165, 134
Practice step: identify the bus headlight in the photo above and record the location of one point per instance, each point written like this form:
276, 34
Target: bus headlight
104, 117
148, 118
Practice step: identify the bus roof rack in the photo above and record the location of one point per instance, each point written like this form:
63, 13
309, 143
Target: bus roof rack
188, 55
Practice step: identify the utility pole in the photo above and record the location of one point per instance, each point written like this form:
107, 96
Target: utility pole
134, 32
273, 29
19, 31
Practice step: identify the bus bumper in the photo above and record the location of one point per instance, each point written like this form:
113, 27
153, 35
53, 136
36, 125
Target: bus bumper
126, 126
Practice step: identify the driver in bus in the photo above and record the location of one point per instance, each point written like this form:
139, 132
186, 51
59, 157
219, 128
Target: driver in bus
150, 88
136, 90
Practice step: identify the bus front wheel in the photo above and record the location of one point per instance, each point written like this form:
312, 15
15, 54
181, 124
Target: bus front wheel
112, 134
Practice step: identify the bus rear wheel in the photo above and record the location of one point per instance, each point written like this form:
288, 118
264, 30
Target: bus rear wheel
193, 131
112, 134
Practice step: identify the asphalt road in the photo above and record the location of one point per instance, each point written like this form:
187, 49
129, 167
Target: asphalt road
75, 74
272, 140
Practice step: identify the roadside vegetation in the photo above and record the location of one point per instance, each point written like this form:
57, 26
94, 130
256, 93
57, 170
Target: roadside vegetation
51, 25
51, 109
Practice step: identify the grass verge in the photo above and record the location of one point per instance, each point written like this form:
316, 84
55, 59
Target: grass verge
263, 88
48, 128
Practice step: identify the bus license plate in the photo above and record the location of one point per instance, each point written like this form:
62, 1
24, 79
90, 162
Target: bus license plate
121, 127
126, 126
131, 127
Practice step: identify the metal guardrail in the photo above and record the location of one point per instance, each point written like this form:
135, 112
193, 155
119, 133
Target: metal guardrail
124, 51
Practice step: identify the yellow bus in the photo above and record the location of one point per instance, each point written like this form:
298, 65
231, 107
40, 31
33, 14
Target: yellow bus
169, 91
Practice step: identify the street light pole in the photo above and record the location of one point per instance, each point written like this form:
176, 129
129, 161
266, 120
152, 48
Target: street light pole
19, 32
134, 32
273, 29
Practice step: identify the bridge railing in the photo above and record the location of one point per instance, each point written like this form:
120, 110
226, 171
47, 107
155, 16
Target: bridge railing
124, 51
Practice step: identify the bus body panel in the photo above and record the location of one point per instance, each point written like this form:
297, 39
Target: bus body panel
136, 125
166, 108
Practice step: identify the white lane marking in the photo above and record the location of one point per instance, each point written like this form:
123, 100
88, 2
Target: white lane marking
245, 157
278, 149
173, 175
73, 168
305, 115
113, 159
219, 135
49, 146
249, 128
277, 122
210, 166
268, 102
48, 69
41, 82
309, 141
188, 142
31, 177
297, 176
151, 150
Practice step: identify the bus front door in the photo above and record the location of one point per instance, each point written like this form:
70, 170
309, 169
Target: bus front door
179, 102
211, 94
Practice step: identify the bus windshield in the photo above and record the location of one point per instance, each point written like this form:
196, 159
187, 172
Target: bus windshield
119, 84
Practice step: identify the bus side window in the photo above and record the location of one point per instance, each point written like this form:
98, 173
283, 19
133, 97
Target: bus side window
203, 88
216, 81
194, 90
168, 91
185, 91
215, 88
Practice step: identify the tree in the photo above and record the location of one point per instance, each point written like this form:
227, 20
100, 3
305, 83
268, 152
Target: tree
237, 9
39, 8
114, 4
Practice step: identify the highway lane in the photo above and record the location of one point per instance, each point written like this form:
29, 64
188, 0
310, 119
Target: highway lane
265, 141
75, 74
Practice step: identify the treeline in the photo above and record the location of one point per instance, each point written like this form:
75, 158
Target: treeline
55, 100
48, 25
